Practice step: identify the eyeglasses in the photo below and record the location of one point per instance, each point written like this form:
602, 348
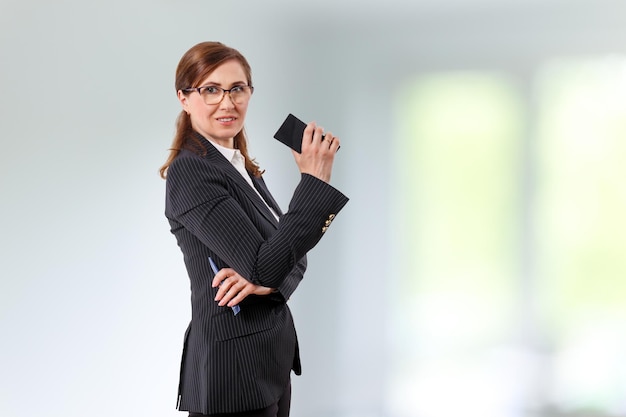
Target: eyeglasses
212, 94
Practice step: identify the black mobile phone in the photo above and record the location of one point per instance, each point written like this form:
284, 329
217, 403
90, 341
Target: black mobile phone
290, 132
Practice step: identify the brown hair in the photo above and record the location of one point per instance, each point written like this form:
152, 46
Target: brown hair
197, 63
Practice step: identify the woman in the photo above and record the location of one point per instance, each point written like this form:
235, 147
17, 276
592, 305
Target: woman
220, 211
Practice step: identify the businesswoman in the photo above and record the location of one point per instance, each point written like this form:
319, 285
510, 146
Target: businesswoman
241, 345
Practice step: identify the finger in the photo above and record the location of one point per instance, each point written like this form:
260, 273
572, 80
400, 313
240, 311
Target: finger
216, 281
225, 284
224, 287
328, 139
307, 136
239, 297
236, 290
227, 291
318, 135
221, 275
227, 297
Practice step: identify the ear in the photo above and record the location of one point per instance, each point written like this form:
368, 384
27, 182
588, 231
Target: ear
184, 101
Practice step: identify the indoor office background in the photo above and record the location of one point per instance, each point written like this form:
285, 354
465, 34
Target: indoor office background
478, 270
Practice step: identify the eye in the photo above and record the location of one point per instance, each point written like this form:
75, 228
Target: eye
237, 89
211, 90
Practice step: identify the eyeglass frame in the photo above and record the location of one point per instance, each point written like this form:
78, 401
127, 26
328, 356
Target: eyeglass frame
224, 91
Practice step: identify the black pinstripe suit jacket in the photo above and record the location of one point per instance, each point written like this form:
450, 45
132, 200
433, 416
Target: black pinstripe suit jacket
235, 363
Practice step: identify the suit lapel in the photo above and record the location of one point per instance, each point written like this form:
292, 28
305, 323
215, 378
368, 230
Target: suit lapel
215, 157
259, 184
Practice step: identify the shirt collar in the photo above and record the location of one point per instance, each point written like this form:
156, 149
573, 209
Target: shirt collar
231, 155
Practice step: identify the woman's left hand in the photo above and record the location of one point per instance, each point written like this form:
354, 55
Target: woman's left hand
233, 288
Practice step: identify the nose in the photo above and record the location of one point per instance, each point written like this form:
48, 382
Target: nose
229, 102
230, 99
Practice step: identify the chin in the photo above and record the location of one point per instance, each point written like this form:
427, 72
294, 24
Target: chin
233, 132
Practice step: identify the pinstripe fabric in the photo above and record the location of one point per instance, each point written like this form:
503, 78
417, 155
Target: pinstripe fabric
237, 363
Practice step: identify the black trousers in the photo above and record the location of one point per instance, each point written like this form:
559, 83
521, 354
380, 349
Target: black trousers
278, 409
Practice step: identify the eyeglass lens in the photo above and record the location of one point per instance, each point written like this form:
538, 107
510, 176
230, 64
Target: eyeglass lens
214, 95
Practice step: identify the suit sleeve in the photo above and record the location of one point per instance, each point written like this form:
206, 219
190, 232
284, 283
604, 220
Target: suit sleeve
199, 198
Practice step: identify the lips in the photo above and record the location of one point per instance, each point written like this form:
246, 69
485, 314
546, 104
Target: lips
226, 119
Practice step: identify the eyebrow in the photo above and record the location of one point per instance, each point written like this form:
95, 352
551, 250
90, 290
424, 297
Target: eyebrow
214, 83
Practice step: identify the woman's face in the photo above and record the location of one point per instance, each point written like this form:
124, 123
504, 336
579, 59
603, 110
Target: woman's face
221, 121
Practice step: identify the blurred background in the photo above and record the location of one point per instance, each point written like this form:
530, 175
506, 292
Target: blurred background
478, 270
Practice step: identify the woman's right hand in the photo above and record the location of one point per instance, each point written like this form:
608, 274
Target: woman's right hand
318, 152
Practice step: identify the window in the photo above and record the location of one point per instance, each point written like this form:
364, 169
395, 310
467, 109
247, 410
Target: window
511, 243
